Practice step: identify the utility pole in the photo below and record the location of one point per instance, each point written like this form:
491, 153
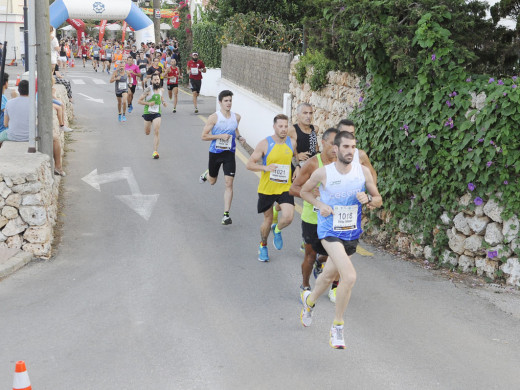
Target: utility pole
157, 20
25, 35
43, 54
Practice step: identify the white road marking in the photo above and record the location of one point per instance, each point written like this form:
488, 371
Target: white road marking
78, 81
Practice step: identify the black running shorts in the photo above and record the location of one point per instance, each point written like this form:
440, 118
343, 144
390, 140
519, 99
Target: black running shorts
265, 202
171, 86
225, 158
150, 117
195, 85
310, 233
350, 246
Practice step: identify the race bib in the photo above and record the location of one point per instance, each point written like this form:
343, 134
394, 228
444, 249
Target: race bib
345, 218
109, 55
143, 70
172, 80
194, 71
280, 174
154, 109
224, 145
96, 53
122, 85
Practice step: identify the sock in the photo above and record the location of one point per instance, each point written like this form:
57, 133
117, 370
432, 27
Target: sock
276, 230
336, 323
309, 302
226, 213
334, 284
262, 244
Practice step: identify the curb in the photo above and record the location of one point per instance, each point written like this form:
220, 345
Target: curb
14, 263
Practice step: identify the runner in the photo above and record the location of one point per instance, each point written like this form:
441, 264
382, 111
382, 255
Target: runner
142, 63
121, 79
155, 69
84, 53
172, 75
342, 194
152, 99
118, 57
133, 72
222, 130
277, 152
109, 54
309, 213
195, 69
95, 55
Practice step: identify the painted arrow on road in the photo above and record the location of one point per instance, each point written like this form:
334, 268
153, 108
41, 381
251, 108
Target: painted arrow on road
141, 204
92, 99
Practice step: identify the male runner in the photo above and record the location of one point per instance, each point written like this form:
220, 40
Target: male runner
152, 99
309, 213
142, 63
305, 133
120, 77
133, 72
222, 130
109, 54
277, 152
95, 55
155, 69
195, 69
172, 75
84, 53
342, 194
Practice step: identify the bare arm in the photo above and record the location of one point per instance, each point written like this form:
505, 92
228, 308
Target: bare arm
206, 131
143, 97
364, 160
6, 119
319, 176
377, 200
238, 136
258, 153
304, 175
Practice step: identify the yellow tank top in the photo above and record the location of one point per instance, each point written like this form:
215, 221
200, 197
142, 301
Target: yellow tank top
278, 182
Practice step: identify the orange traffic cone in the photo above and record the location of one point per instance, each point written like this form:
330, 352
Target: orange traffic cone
17, 80
72, 65
21, 377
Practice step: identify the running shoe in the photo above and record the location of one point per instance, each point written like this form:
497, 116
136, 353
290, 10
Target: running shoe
277, 238
119, 118
65, 129
196, 111
336, 337
204, 176
318, 268
130, 108
332, 295
263, 254
155, 155
306, 313
302, 288
123, 118
174, 110
226, 220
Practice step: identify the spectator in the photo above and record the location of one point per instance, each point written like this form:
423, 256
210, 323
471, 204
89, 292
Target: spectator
4, 102
55, 47
17, 122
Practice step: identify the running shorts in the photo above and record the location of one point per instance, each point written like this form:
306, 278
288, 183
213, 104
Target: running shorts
132, 88
171, 86
225, 158
265, 202
151, 117
195, 85
121, 94
310, 233
96, 58
350, 246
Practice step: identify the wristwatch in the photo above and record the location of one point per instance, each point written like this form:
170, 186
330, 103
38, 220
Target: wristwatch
369, 198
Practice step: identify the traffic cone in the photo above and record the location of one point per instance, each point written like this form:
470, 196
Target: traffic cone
21, 377
72, 65
17, 80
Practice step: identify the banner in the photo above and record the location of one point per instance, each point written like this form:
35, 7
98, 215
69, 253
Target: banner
124, 32
102, 26
165, 13
79, 25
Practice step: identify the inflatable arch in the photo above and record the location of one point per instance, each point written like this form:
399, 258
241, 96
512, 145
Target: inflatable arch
126, 10
79, 25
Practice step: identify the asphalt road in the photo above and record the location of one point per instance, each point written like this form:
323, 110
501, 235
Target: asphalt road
177, 301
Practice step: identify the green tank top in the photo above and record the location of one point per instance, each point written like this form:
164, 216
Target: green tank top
156, 97
308, 213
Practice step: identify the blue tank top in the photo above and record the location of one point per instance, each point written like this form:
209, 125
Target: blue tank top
339, 192
224, 126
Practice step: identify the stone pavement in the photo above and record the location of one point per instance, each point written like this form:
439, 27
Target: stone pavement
12, 260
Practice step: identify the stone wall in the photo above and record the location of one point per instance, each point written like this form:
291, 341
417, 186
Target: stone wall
332, 103
264, 72
478, 241
29, 194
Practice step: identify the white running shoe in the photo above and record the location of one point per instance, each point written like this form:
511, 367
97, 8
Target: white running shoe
336, 337
306, 313
65, 129
332, 294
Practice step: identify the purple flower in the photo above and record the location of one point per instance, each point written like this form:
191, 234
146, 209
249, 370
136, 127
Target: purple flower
448, 103
478, 201
506, 182
481, 140
489, 163
492, 254
471, 186
433, 57
513, 86
432, 136
412, 197
405, 126
454, 93
400, 91
360, 99
514, 77
491, 80
417, 166
500, 82
505, 93
449, 123
468, 80
470, 149
491, 143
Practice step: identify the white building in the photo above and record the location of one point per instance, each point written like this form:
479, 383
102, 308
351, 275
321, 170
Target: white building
11, 27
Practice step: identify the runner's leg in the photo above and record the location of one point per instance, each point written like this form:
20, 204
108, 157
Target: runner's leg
156, 127
265, 228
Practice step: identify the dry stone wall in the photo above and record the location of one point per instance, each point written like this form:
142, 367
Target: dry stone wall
263, 72
29, 194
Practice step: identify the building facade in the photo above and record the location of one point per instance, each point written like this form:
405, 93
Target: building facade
11, 27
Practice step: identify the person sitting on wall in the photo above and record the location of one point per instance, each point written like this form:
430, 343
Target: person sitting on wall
17, 122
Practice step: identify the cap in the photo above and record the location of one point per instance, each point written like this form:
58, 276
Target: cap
194, 54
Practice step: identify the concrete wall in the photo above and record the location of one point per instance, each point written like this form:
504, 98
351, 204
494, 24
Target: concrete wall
263, 72
210, 81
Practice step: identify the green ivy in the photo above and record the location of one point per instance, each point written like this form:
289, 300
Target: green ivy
206, 36
313, 67
425, 147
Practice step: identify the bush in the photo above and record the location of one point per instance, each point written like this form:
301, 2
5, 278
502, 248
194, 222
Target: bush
313, 67
206, 41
